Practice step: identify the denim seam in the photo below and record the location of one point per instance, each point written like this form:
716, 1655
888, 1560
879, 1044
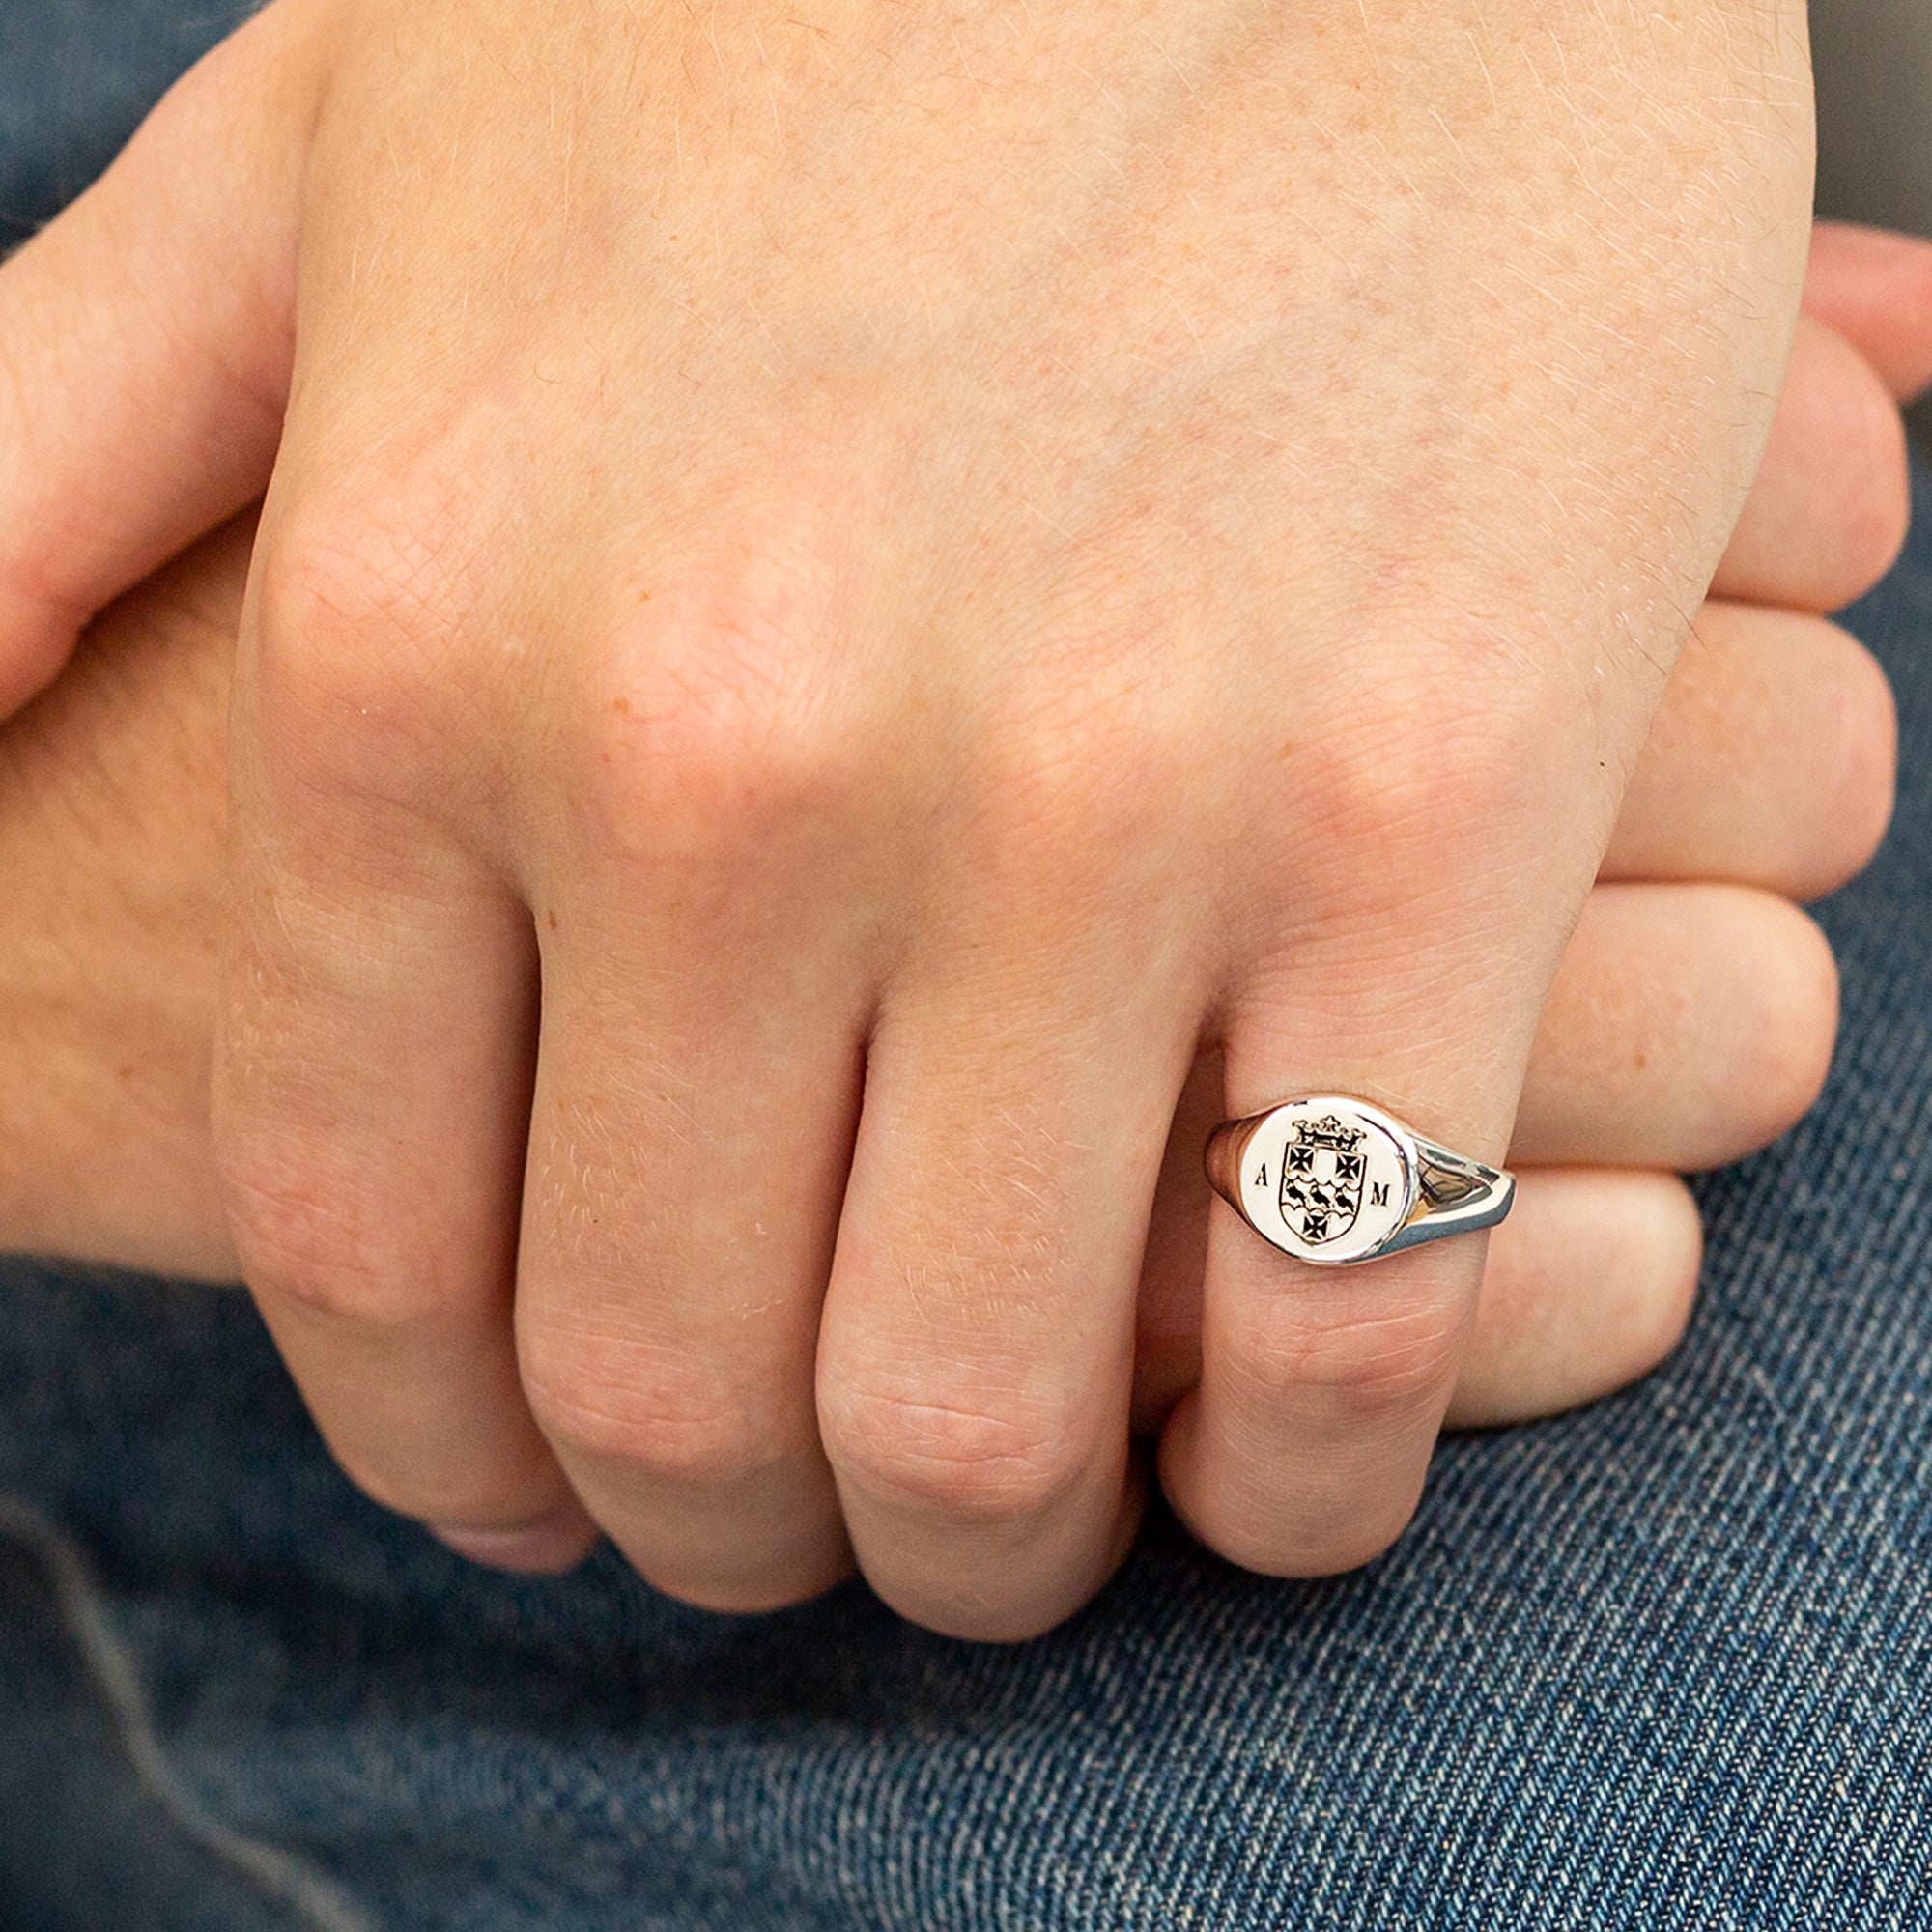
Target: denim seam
112, 1672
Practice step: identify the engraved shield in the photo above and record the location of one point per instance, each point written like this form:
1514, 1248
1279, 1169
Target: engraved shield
1321, 1172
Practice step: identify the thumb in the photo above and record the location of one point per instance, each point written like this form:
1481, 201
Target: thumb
145, 343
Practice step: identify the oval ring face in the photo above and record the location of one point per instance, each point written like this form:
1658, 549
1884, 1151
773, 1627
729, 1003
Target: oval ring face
1328, 1178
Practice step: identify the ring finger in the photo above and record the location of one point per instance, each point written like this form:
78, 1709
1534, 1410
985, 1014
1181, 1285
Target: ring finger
1687, 1024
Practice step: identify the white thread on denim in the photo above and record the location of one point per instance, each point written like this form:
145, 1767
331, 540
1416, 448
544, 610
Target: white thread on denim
109, 1664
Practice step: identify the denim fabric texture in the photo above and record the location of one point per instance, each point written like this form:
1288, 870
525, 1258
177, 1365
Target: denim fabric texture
1664, 1664
76, 77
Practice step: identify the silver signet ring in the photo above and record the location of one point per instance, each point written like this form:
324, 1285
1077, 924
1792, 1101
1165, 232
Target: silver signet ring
1333, 1179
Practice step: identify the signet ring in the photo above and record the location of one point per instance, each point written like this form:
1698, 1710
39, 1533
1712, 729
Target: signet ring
1333, 1179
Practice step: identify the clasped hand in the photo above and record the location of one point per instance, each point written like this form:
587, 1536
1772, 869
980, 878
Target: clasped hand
862, 624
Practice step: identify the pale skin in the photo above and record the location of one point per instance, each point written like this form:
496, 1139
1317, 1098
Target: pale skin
1766, 780
843, 598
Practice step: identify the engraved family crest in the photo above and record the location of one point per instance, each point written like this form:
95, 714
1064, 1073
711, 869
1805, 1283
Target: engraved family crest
1322, 1169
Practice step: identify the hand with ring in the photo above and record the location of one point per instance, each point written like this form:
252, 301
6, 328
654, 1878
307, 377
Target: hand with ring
1689, 1023
842, 594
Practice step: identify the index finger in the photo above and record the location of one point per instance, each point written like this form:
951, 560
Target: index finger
146, 337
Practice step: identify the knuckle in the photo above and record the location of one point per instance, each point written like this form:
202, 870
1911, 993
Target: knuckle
651, 1410
364, 600
1404, 795
1070, 784
1093, 764
1794, 1025
314, 1239
1308, 1529
1367, 1361
917, 1449
717, 717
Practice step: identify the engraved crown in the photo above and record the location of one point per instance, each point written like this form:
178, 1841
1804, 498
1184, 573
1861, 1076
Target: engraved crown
1328, 1132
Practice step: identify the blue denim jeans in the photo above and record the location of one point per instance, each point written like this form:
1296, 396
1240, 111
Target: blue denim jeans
1665, 1663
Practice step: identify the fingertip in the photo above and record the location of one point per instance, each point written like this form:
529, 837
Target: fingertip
548, 1548
1667, 1250
1875, 288
1829, 510
1689, 1026
1589, 1287
1771, 761
1789, 1017
1874, 506
1854, 720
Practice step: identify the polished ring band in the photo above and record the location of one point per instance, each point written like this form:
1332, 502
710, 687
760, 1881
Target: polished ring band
1333, 1179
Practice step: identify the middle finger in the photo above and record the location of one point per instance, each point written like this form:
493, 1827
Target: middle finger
975, 1355
688, 1139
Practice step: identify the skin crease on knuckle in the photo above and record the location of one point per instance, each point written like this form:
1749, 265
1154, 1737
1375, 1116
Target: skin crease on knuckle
1329, 1400
311, 1232
1306, 1522
1345, 1350
672, 1450
369, 684
664, 1413
915, 1443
